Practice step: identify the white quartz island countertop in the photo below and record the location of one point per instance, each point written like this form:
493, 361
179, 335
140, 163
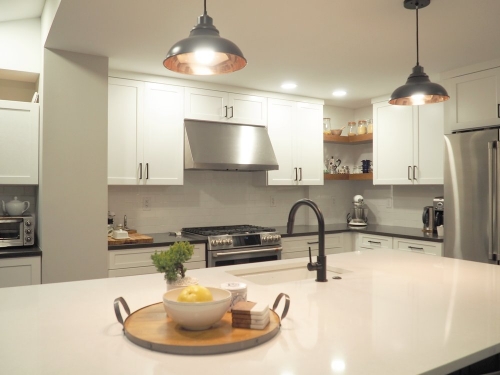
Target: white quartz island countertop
392, 313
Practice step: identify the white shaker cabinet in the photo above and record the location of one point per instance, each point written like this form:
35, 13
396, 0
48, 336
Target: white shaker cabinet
145, 133
20, 271
408, 145
296, 134
19, 149
221, 106
474, 100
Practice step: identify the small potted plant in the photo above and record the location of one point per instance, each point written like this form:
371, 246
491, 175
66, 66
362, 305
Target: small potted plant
170, 262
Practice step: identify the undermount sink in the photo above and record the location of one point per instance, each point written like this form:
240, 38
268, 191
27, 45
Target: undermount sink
283, 273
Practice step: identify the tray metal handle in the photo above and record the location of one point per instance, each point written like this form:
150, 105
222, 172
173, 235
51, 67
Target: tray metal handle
118, 301
287, 305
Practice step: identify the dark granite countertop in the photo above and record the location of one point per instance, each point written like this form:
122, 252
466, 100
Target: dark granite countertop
382, 230
21, 251
160, 239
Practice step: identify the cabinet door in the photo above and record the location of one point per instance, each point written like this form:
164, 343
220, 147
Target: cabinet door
393, 144
308, 132
429, 146
421, 247
163, 135
206, 105
280, 127
19, 148
247, 109
474, 100
20, 271
125, 127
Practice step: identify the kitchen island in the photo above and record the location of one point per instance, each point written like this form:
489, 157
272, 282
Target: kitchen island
392, 312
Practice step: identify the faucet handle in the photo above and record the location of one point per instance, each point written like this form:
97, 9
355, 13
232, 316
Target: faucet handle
310, 256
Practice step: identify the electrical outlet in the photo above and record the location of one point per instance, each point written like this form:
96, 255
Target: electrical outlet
146, 203
388, 203
272, 201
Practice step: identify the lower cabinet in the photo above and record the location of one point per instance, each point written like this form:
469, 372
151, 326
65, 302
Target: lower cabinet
138, 261
422, 247
298, 247
20, 271
371, 241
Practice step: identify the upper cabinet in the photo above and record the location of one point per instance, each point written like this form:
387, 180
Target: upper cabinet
474, 100
296, 132
145, 133
19, 126
408, 145
211, 105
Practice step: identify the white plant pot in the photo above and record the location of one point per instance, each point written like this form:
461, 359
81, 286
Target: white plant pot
182, 283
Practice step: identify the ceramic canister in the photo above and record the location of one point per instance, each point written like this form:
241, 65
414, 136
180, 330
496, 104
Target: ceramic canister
238, 291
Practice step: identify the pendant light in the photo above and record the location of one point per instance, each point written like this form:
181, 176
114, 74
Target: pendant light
204, 52
418, 89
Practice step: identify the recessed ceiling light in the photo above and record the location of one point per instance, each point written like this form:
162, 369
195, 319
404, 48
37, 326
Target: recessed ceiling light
288, 85
339, 93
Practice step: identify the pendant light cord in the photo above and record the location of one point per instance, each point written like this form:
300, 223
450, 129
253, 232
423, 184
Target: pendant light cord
416, 8
205, 7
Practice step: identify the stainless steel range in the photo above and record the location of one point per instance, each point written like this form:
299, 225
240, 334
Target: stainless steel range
237, 244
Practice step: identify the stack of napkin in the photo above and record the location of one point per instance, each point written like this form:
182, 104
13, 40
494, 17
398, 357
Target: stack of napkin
250, 315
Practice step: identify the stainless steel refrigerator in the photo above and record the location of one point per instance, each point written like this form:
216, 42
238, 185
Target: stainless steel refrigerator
472, 196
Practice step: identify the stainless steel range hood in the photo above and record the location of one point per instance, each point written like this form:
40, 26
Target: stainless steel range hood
227, 147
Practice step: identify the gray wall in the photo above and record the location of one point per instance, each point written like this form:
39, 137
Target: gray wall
73, 166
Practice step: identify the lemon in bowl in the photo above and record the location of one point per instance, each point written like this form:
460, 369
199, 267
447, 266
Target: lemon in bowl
195, 307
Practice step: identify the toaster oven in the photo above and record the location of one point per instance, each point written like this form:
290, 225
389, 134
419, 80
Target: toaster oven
17, 231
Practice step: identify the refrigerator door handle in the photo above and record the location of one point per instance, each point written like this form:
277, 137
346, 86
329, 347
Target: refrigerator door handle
493, 164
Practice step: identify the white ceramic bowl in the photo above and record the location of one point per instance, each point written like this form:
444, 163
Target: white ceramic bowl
197, 316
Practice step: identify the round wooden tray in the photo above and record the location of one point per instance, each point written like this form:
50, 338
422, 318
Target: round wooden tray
150, 328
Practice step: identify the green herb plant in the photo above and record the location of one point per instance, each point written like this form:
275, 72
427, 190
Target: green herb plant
170, 261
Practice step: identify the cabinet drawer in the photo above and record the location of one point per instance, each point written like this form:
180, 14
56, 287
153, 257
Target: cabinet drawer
148, 270
423, 247
20, 271
302, 243
374, 242
141, 257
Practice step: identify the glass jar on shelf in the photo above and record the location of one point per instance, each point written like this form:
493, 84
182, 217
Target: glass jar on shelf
369, 126
326, 126
361, 127
352, 128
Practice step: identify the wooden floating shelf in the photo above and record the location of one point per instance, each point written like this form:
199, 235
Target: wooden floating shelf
356, 139
358, 176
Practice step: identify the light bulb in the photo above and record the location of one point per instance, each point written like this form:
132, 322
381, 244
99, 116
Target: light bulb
204, 56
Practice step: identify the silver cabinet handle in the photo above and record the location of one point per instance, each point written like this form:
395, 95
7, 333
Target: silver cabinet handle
140, 171
499, 111
225, 109
380, 243
296, 176
409, 171
300, 170
147, 171
414, 172
415, 248
312, 243
232, 111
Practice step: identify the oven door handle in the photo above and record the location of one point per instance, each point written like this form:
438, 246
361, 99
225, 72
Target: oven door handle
215, 255
11, 221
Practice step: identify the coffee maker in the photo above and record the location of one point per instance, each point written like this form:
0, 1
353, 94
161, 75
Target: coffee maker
359, 217
438, 205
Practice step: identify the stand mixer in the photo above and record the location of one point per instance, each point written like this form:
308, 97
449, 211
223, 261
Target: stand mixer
359, 217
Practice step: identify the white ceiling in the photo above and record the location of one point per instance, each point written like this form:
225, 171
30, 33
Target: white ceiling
364, 47
12, 10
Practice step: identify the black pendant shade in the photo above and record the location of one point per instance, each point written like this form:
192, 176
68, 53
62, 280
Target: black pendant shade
418, 89
204, 52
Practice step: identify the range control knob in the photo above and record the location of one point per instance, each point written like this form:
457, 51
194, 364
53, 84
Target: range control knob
230, 241
219, 242
226, 242
28, 223
275, 238
213, 242
28, 239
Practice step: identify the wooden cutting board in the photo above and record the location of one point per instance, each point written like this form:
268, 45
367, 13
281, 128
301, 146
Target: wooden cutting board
150, 328
134, 238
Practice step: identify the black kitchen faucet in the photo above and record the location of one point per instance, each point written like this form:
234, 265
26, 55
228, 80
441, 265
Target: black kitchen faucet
320, 265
